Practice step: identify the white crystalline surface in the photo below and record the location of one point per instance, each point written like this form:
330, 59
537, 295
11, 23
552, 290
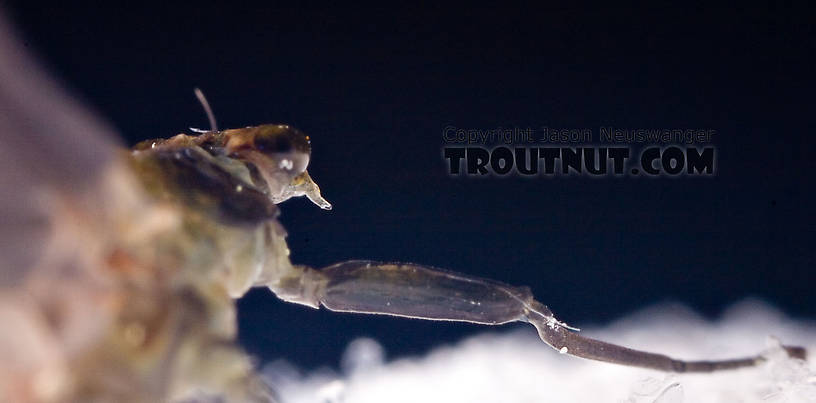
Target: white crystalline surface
518, 367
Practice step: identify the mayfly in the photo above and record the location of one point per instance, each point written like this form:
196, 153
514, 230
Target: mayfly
119, 268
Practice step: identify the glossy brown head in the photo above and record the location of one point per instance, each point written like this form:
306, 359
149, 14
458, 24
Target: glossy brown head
281, 154
284, 144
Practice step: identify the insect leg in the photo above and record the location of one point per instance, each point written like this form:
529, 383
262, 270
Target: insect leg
409, 290
571, 343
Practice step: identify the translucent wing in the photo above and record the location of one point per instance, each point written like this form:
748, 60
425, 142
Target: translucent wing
57, 197
88, 312
48, 143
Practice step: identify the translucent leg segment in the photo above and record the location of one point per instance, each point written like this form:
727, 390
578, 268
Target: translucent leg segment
419, 292
415, 291
571, 343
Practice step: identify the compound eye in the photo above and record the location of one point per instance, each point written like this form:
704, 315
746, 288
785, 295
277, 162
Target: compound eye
273, 144
271, 139
278, 148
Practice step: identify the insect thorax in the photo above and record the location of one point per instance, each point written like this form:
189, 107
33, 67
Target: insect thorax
229, 233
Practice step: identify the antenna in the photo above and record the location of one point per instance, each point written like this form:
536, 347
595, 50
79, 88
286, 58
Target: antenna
207, 109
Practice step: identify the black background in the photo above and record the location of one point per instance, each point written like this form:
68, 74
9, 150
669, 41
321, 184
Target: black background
375, 88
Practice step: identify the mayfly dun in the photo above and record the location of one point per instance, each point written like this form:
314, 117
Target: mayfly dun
120, 267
